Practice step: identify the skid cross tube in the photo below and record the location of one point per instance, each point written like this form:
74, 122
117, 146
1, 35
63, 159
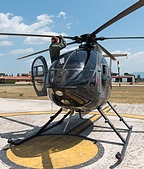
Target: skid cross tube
40, 131
121, 118
57, 123
112, 126
119, 156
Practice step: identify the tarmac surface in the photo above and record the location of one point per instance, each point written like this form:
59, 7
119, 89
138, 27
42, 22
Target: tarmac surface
87, 143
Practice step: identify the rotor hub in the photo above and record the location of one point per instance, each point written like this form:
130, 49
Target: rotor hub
87, 40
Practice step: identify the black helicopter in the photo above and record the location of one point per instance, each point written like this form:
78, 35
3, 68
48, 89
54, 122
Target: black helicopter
80, 80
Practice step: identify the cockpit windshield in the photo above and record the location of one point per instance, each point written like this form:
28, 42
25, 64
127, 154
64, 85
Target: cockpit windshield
74, 68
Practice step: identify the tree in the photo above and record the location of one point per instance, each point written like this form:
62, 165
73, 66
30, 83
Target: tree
138, 78
2, 74
126, 74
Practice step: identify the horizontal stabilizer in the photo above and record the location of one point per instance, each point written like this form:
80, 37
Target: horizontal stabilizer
116, 55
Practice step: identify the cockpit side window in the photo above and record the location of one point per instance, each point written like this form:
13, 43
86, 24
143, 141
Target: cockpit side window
104, 66
104, 69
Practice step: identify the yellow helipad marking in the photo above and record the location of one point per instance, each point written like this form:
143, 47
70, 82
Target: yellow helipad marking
26, 113
53, 151
135, 116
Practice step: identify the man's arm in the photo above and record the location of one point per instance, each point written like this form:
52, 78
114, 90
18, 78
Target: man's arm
62, 43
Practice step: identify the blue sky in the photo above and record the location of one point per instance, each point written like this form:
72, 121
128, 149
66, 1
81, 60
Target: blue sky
69, 18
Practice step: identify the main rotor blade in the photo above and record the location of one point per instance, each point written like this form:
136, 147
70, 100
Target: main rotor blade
35, 35
129, 10
45, 50
109, 54
33, 54
128, 37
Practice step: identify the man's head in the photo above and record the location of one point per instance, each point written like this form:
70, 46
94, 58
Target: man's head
54, 39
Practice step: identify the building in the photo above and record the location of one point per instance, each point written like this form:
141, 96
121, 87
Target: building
23, 79
127, 79
27, 79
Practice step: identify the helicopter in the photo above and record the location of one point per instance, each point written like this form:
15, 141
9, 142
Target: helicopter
80, 80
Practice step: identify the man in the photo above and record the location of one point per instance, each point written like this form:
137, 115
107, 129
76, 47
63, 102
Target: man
56, 45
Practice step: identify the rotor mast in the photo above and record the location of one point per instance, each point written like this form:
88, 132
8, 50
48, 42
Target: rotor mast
87, 41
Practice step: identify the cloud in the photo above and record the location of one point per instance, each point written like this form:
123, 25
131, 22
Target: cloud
6, 43
14, 24
134, 62
62, 14
39, 40
42, 25
21, 51
68, 25
1, 54
10, 23
36, 41
4, 37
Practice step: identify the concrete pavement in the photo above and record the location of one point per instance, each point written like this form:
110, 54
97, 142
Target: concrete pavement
73, 150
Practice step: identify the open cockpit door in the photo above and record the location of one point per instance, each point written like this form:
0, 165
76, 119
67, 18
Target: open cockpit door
39, 71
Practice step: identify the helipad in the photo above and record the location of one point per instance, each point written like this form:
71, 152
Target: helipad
55, 151
88, 143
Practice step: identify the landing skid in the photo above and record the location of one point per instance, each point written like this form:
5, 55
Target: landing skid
41, 130
119, 156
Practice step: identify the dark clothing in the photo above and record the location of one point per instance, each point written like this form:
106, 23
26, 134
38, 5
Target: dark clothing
55, 48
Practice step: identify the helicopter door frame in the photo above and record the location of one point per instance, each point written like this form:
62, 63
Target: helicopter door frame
99, 73
39, 71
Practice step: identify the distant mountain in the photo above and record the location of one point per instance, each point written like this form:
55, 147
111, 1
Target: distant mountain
138, 73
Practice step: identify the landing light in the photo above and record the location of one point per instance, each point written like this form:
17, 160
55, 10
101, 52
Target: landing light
59, 93
65, 101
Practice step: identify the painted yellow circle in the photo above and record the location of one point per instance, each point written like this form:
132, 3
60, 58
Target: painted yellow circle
53, 151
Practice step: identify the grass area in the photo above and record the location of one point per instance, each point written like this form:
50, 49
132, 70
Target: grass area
19, 92
123, 94
127, 94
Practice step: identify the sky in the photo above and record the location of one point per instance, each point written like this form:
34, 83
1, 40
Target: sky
68, 18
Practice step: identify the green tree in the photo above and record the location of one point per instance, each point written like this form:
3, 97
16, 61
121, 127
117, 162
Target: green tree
2, 74
138, 78
126, 74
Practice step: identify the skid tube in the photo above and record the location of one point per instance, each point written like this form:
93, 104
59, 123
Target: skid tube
119, 156
44, 128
